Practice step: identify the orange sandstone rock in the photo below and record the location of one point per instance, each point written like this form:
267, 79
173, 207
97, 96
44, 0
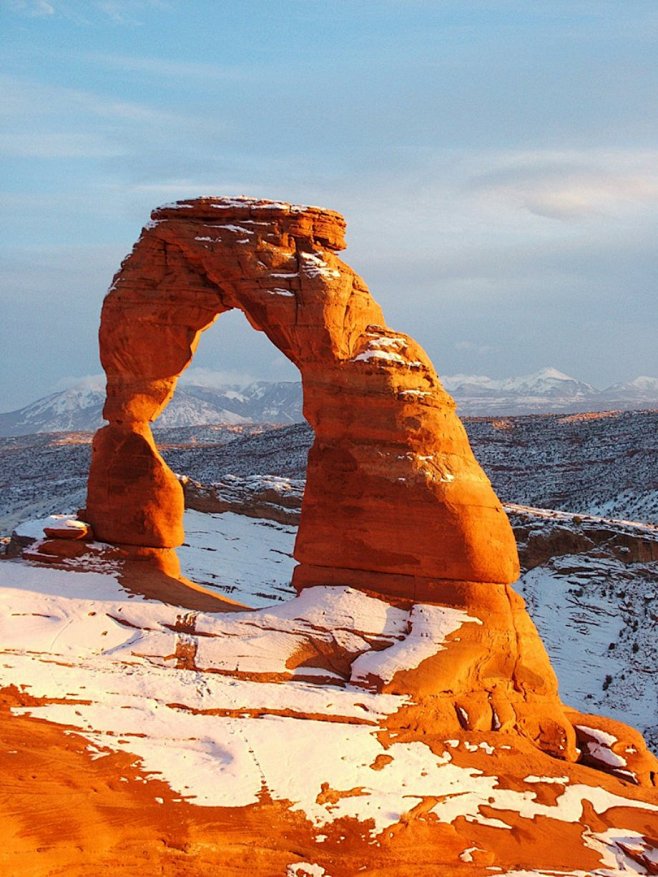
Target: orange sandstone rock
393, 489
395, 501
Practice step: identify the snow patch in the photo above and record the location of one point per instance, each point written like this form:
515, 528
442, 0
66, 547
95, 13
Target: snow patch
314, 265
277, 290
429, 628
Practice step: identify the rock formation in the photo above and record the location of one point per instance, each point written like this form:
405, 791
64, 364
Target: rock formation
393, 490
398, 715
395, 502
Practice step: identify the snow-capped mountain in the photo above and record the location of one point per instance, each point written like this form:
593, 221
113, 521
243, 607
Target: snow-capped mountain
206, 399
73, 410
258, 402
636, 393
547, 390
79, 408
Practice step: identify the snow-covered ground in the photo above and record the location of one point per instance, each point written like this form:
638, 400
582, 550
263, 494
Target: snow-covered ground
227, 706
597, 619
224, 706
597, 616
246, 559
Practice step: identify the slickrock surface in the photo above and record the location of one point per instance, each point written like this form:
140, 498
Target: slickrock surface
140, 737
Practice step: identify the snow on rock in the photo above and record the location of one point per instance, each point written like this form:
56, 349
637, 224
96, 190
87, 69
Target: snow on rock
240, 557
388, 348
305, 869
428, 627
277, 290
35, 529
599, 746
622, 851
209, 702
313, 265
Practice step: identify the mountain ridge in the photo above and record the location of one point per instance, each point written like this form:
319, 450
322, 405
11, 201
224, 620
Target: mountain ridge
210, 400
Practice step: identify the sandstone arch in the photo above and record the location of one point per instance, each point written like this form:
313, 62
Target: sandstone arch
395, 500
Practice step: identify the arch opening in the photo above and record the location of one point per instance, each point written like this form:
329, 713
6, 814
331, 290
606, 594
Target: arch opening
240, 522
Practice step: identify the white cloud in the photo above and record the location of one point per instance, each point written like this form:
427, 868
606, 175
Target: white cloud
120, 12
52, 121
570, 185
166, 67
55, 144
30, 8
87, 382
206, 377
39, 100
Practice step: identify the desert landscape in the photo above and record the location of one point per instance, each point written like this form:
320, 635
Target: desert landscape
300, 579
334, 674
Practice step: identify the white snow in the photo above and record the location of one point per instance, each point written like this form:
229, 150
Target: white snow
369, 355
236, 229
314, 265
388, 349
429, 628
600, 746
246, 559
418, 393
277, 290
35, 529
260, 706
533, 779
575, 604
613, 846
305, 869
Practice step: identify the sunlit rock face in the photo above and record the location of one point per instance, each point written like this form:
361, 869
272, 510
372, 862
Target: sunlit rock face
395, 500
397, 715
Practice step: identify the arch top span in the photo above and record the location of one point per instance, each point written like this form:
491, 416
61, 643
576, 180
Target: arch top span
394, 499
326, 227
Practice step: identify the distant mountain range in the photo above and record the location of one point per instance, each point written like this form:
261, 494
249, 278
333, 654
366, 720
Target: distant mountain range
78, 409
546, 391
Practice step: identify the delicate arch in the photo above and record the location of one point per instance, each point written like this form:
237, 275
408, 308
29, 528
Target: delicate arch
395, 500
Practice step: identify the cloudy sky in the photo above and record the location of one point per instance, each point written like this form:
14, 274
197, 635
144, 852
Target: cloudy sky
496, 160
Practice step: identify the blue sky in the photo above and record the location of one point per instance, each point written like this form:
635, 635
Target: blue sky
497, 163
